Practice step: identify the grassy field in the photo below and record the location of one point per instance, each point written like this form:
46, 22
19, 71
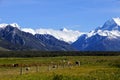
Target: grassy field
41, 68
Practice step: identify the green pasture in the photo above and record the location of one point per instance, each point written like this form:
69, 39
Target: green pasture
41, 68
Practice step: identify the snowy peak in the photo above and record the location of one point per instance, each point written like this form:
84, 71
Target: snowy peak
64, 29
110, 25
15, 25
3, 25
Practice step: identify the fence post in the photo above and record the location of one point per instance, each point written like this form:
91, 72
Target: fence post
37, 68
21, 70
48, 67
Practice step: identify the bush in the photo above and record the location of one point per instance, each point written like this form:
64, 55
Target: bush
115, 64
58, 77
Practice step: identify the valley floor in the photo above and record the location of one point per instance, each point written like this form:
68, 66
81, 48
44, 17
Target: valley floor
61, 68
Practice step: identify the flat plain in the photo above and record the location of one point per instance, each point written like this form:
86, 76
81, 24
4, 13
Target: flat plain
61, 68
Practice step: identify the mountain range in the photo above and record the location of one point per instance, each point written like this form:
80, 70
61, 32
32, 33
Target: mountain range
13, 38
104, 38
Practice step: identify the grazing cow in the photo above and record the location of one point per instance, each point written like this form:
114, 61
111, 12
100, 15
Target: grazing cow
54, 66
69, 63
15, 65
77, 63
27, 68
64, 60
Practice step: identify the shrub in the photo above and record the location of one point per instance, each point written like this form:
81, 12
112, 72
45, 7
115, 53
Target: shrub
58, 77
115, 64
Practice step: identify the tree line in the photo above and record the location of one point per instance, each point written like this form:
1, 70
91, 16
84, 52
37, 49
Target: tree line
56, 53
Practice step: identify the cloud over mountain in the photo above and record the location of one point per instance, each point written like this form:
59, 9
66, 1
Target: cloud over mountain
63, 34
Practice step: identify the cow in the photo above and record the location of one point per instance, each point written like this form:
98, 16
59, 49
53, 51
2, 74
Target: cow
27, 68
77, 63
15, 65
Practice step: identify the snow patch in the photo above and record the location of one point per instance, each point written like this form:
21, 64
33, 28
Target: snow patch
15, 25
109, 34
117, 20
3, 25
28, 30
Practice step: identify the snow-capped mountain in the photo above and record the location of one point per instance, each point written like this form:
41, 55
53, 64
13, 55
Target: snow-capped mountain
12, 38
105, 38
64, 34
110, 25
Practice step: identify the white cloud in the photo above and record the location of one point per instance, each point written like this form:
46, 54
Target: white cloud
29, 30
64, 34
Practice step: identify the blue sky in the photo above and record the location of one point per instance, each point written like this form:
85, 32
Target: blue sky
82, 15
